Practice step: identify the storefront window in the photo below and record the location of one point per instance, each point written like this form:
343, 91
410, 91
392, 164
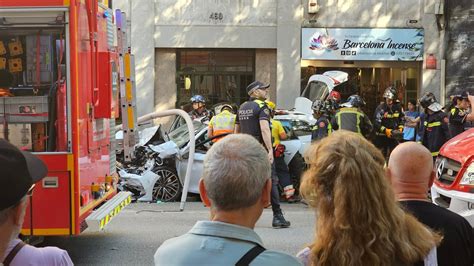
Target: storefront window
221, 75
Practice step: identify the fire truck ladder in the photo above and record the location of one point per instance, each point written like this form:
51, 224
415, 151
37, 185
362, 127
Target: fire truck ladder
127, 90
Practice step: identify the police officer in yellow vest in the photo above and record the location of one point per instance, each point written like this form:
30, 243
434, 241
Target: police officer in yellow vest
222, 123
435, 131
253, 118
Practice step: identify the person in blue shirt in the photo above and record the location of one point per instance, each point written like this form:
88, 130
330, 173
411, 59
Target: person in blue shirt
412, 118
236, 185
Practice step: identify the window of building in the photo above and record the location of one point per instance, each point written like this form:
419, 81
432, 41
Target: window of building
220, 75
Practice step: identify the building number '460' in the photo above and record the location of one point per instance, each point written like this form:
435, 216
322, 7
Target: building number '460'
216, 16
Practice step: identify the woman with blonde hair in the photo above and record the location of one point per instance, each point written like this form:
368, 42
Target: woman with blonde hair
359, 221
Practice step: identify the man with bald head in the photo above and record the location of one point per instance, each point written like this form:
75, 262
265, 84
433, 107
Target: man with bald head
410, 169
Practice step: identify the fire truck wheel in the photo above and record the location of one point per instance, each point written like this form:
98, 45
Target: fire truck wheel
167, 187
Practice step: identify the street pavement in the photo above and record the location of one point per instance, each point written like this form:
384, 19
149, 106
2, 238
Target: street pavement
134, 235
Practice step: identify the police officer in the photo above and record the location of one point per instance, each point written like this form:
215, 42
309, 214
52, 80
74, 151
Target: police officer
435, 131
322, 127
222, 123
199, 109
351, 117
459, 114
388, 122
253, 118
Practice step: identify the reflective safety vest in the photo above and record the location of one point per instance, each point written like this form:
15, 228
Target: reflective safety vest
350, 118
222, 123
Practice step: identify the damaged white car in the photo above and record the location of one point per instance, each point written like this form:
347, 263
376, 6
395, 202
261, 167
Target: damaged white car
158, 171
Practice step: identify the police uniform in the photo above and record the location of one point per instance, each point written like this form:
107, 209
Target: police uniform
322, 128
248, 118
249, 115
350, 118
387, 117
435, 131
457, 120
223, 123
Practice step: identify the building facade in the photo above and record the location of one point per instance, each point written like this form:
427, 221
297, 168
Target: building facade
217, 47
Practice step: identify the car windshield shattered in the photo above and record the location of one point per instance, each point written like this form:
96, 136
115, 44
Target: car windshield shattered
180, 136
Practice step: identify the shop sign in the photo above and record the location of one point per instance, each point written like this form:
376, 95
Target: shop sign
362, 44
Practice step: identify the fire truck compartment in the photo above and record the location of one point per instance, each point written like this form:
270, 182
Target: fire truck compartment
33, 113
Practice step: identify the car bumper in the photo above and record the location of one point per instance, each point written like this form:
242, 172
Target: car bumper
459, 202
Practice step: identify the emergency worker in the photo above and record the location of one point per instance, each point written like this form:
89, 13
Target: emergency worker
436, 130
253, 118
388, 122
282, 171
351, 117
322, 127
199, 109
222, 123
335, 96
459, 114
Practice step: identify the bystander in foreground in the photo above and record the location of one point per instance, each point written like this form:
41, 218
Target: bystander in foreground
410, 170
359, 222
236, 185
19, 171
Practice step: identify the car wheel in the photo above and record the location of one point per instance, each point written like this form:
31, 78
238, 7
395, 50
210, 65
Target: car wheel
167, 187
296, 167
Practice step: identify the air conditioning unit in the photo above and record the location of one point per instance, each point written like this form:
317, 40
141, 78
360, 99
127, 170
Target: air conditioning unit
313, 7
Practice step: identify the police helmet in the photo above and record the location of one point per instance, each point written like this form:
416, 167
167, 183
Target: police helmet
198, 99
390, 93
428, 101
354, 101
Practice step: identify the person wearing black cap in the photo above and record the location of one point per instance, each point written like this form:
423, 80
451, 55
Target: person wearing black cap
253, 118
459, 114
19, 171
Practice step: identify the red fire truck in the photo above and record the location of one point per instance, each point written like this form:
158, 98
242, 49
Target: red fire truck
67, 74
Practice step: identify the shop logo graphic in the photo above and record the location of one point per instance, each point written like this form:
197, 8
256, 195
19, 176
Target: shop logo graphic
320, 42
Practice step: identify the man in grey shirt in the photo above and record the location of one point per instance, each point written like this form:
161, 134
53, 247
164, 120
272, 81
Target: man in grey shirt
236, 186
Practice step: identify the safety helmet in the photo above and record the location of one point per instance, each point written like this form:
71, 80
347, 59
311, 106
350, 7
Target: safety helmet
198, 99
270, 105
331, 105
390, 93
429, 101
335, 95
226, 105
319, 106
354, 101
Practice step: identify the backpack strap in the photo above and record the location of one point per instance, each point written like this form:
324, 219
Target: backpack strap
13, 253
248, 257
